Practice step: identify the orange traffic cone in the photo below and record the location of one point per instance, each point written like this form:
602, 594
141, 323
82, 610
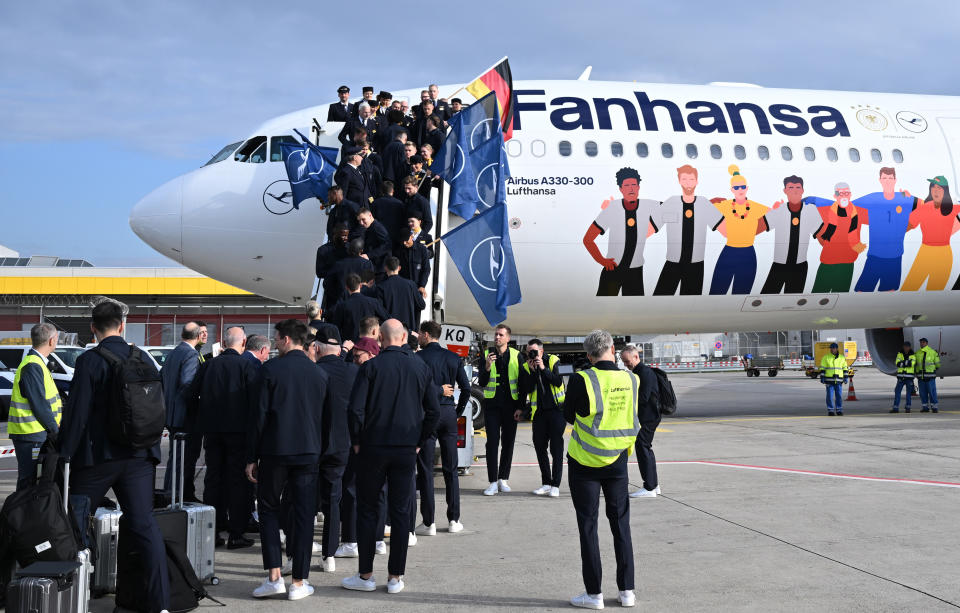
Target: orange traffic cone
851, 393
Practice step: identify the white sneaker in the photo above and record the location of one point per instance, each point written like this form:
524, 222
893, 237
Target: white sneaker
543, 490
356, 582
588, 601
412, 540
317, 547
394, 585
270, 588
492, 490
455, 526
386, 531
283, 538
644, 493
347, 550
627, 598
424, 530
329, 564
381, 548
287, 567
296, 592
504, 486
554, 492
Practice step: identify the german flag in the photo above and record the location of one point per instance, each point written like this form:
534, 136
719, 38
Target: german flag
498, 80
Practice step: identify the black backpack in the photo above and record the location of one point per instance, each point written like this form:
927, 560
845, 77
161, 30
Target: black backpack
136, 414
667, 399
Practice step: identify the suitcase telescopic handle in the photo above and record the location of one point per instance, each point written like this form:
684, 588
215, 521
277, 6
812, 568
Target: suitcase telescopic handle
178, 440
66, 485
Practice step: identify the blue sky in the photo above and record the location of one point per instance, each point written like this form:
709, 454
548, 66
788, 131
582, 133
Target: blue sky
101, 101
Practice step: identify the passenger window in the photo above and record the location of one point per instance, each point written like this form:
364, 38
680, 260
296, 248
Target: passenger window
666, 149
875, 155
832, 154
854, 154
692, 151
254, 150
739, 152
565, 148
616, 149
763, 153
786, 153
715, 152
809, 154
514, 147
897, 156
276, 153
224, 153
642, 150
591, 148
538, 148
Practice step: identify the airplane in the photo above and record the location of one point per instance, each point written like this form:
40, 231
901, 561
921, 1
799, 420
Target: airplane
570, 140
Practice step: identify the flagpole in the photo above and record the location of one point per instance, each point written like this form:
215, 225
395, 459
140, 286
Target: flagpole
463, 87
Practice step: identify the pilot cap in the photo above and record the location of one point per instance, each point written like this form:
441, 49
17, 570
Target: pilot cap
368, 89
343, 89
348, 151
456, 101
385, 95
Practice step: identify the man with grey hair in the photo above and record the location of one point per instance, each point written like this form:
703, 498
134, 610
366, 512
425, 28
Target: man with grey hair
601, 403
178, 373
258, 349
35, 405
649, 412
227, 388
839, 235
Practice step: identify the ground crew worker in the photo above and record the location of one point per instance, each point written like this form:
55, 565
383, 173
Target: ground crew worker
541, 381
649, 411
35, 405
833, 367
601, 403
500, 380
906, 370
928, 362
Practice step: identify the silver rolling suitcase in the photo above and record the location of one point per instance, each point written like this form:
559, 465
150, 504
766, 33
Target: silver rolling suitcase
48, 587
201, 520
105, 528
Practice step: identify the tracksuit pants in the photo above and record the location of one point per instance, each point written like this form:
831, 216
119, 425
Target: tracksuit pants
625, 280
501, 428
646, 460
928, 392
446, 434
688, 277
788, 278
329, 494
299, 482
224, 485
586, 483
395, 467
881, 274
548, 429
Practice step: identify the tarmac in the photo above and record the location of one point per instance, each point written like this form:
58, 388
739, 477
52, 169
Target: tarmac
767, 505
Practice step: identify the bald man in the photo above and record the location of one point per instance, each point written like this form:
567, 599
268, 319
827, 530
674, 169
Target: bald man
394, 410
179, 370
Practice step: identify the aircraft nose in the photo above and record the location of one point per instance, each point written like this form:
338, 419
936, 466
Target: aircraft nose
156, 219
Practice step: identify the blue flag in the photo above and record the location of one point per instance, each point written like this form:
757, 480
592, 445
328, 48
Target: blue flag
310, 169
472, 159
481, 249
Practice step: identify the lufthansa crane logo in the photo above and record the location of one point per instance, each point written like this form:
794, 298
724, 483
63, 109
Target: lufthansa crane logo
278, 197
911, 121
486, 263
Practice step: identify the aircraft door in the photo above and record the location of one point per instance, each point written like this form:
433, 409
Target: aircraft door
950, 126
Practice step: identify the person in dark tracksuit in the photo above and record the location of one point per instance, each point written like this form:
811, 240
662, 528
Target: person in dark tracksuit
540, 380
283, 455
401, 299
500, 379
393, 413
649, 412
353, 309
447, 369
99, 464
227, 385
336, 442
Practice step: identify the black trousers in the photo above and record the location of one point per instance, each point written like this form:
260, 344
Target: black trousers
329, 493
132, 481
501, 428
789, 278
646, 460
586, 483
225, 484
348, 503
446, 434
191, 455
629, 280
548, 429
396, 467
299, 482
688, 277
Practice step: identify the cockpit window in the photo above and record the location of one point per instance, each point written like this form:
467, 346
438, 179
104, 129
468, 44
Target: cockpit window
224, 153
254, 151
276, 153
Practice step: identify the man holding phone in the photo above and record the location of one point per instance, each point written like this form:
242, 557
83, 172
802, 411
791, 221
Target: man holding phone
540, 380
500, 380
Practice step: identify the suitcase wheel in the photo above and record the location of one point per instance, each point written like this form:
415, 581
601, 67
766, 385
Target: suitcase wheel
214, 580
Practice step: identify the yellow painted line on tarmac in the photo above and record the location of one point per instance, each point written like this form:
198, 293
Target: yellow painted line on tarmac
663, 430
785, 417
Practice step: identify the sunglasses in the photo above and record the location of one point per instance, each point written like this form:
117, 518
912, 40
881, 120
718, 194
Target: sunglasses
739, 187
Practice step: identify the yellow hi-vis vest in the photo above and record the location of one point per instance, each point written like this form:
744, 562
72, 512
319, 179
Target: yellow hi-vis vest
557, 391
22, 419
928, 361
513, 375
906, 365
612, 425
833, 368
